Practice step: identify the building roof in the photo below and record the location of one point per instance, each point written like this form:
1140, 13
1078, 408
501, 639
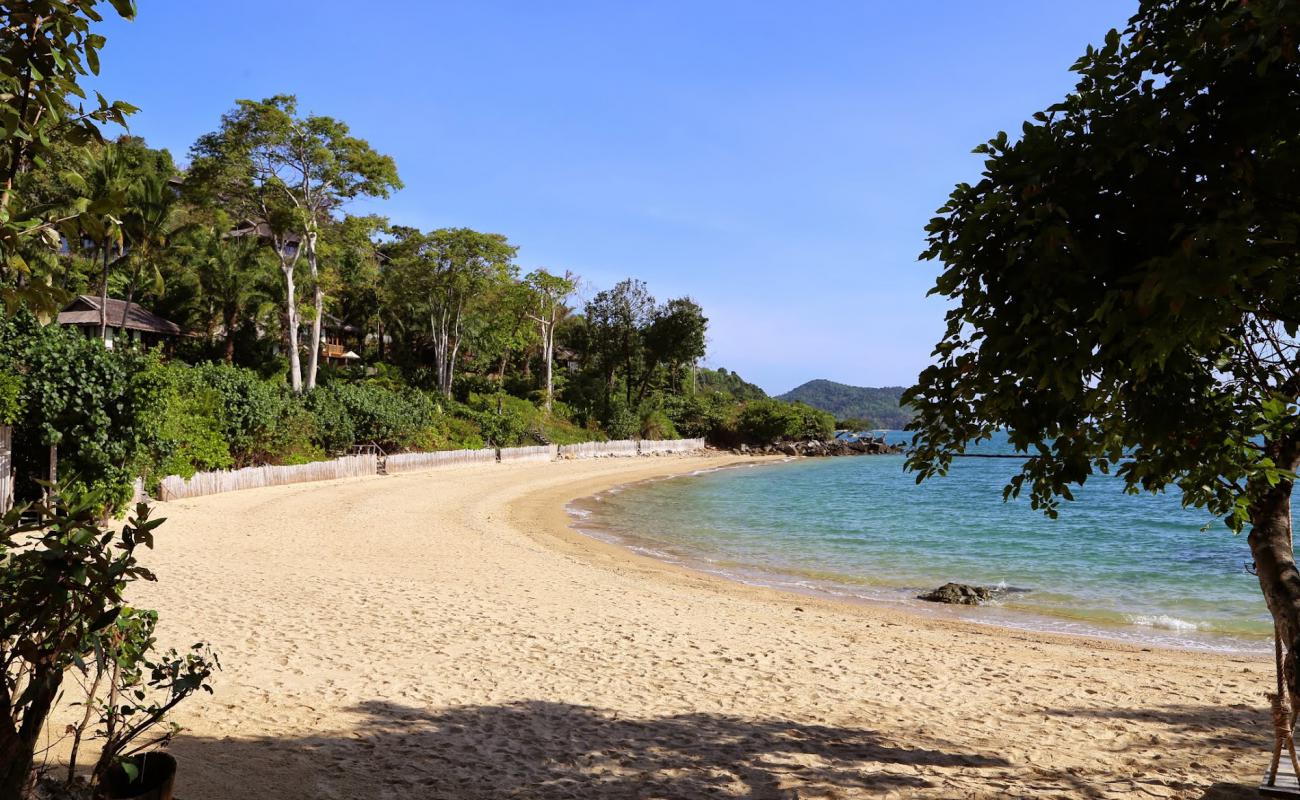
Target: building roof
85, 311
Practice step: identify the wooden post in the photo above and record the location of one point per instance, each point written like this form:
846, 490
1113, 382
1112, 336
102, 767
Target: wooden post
6, 468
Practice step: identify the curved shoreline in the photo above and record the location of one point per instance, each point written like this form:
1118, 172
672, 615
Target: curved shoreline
562, 530
448, 632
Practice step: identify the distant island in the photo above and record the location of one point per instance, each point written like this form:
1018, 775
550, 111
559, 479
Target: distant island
878, 404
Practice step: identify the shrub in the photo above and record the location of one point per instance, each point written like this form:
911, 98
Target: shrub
248, 408
774, 420
91, 402
189, 436
703, 414
503, 419
655, 424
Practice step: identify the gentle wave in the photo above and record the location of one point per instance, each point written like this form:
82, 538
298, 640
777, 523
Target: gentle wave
1163, 621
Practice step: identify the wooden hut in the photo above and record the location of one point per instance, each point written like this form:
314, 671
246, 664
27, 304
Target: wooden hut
125, 320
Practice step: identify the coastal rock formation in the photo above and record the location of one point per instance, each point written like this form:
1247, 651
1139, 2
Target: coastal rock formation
958, 594
814, 447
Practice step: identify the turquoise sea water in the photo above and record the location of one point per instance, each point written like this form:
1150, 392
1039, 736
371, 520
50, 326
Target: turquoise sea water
1116, 565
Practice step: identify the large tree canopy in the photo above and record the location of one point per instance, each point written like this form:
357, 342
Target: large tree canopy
1125, 280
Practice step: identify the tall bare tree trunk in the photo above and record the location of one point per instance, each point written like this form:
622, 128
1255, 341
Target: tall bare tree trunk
548, 354
291, 328
318, 296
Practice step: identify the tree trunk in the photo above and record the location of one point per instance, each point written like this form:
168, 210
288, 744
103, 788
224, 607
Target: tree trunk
291, 329
228, 321
1271, 546
17, 747
318, 298
548, 352
103, 297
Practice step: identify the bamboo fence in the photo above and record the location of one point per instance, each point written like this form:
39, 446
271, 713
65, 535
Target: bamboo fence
175, 487
546, 452
626, 447
205, 483
665, 446
408, 462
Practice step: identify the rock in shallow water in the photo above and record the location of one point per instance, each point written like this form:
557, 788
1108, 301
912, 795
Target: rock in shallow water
958, 594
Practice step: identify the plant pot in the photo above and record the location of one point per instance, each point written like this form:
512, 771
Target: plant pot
154, 782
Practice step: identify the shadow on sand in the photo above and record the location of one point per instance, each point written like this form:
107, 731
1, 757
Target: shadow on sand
549, 750
553, 750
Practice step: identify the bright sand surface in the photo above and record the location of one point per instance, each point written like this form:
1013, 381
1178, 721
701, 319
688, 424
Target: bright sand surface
445, 634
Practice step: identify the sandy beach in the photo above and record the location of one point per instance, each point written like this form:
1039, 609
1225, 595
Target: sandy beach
445, 635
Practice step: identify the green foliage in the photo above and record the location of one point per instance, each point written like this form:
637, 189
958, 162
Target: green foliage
720, 380
1124, 279
94, 404
248, 410
141, 688
437, 281
844, 401
48, 49
188, 437
704, 414
348, 414
62, 579
775, 420
504, 420
11, 396
856, 424
655, 424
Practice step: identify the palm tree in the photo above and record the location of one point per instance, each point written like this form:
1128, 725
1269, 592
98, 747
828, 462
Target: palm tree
150, 230
234, 278
101, 223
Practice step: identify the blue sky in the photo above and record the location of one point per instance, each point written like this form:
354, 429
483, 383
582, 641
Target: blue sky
775, 161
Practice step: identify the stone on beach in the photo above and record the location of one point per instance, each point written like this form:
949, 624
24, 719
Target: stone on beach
958, 594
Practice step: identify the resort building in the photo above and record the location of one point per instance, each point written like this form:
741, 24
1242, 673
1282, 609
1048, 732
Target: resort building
126, 322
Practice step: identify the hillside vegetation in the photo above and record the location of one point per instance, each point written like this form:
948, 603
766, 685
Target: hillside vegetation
880, 404
720, 380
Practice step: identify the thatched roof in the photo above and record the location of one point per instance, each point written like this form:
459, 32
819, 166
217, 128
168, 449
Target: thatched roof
85, 311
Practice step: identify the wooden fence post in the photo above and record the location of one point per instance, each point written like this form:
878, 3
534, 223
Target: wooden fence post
6, 468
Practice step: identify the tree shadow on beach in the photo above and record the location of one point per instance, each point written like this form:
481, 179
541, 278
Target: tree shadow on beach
548, 750
1190, 729
1236, 726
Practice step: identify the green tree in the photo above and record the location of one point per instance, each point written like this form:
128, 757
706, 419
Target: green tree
1126, 291
47, 48
435, 278
235, 282
287, 176
674, 337
616, 322
101, 222
549, 294
150, 227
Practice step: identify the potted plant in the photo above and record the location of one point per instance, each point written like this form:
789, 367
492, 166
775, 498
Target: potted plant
131, 692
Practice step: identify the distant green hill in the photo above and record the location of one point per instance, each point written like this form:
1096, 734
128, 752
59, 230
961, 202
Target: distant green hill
720, 380
878, 404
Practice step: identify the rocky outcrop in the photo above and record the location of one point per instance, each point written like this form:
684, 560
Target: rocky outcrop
816, 448
958, 594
